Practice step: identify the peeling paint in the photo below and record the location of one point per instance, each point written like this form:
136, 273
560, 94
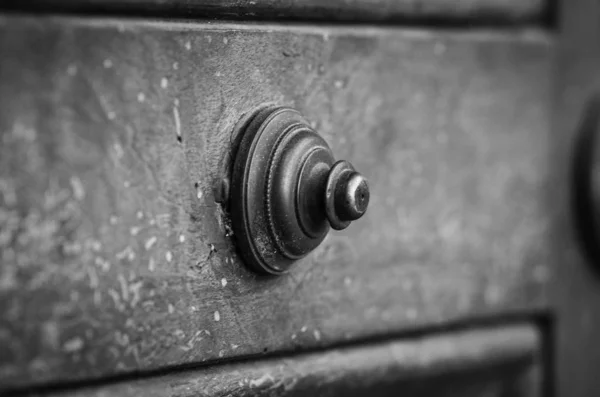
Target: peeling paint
317, 335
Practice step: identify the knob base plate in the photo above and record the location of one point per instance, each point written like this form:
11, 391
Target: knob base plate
275, 196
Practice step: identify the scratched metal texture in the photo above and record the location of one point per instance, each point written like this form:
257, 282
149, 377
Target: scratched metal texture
116, 258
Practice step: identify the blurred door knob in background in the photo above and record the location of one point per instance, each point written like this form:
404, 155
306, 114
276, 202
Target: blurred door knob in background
287, 190
586, 178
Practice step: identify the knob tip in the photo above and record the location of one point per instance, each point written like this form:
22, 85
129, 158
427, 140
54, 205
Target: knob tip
347, 195
353, 201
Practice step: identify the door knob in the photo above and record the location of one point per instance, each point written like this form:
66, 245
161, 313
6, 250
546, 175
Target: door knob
287, 190
586, 181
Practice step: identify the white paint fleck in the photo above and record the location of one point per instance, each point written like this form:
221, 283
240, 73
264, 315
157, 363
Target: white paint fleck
107, 63
338, 84
175, 65
126, 253
139, 214
171, 308
223, 282
199, 194
102, 264
260, 381
294, 336
135, 230
303, 329
218, 74
234, 346
124, 287
111, 115
169, 256
182, 238
73, 345
179, 333
217, 316
135, 291
188, 45
150, 242
77, 187
118, 150
72, 69
95, 245
317, 335
141, 97
164, 83
177, 121
221, 353
225, 40
151, 265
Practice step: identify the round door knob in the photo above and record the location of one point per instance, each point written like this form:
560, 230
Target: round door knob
287, 190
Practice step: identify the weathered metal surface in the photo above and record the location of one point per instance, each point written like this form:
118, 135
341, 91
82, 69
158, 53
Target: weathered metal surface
496, 362
415, 11
115, 256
